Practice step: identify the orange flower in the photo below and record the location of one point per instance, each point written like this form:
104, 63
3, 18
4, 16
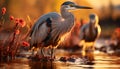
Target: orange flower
25, 43
22, 22
11, 18
3, 10
116, 34
17, 32
117, 30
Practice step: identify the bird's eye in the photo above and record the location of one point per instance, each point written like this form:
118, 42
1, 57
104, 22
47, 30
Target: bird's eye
71, 5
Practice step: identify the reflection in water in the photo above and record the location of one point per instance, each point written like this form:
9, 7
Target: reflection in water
101, 62
42, 65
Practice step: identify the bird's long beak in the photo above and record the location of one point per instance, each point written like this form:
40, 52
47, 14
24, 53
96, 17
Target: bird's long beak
81, 7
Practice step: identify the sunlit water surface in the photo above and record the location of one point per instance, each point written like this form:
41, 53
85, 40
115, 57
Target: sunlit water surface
102, 61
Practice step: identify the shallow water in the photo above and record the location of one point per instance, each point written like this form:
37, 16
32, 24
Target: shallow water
102, 61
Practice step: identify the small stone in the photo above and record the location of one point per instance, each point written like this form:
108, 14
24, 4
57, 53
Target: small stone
71, 59
63, 59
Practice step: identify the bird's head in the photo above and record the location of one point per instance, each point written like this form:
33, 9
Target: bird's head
93, 18
72, 6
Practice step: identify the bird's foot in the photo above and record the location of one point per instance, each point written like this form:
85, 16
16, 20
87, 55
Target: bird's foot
36, 57
52, 58
47, 58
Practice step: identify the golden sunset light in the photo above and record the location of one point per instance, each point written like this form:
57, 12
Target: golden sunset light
59, 34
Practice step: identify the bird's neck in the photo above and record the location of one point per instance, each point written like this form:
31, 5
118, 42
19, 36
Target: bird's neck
68, 17
91, 29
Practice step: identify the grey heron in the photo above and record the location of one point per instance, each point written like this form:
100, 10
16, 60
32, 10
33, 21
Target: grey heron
50, 27
88, 35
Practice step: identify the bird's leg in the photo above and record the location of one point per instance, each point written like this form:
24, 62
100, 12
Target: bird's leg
52, 53
33, 51
89, 51
91, 58
83, 50
93, 48
42, 51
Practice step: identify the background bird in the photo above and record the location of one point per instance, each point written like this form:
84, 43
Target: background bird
88, 35
50, 27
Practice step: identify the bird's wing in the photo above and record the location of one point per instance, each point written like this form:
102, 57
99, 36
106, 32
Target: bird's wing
41, 28
39, 33
82, 31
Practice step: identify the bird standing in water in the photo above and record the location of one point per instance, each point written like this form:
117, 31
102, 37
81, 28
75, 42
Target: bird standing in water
88, 35
50, 27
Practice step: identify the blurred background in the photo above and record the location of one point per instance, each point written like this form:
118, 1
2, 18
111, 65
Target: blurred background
30, 10
107, 10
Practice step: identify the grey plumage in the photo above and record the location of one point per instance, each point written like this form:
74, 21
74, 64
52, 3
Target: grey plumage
90, 31
88, 35
60, 25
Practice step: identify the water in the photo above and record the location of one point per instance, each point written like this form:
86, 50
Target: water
102, 61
